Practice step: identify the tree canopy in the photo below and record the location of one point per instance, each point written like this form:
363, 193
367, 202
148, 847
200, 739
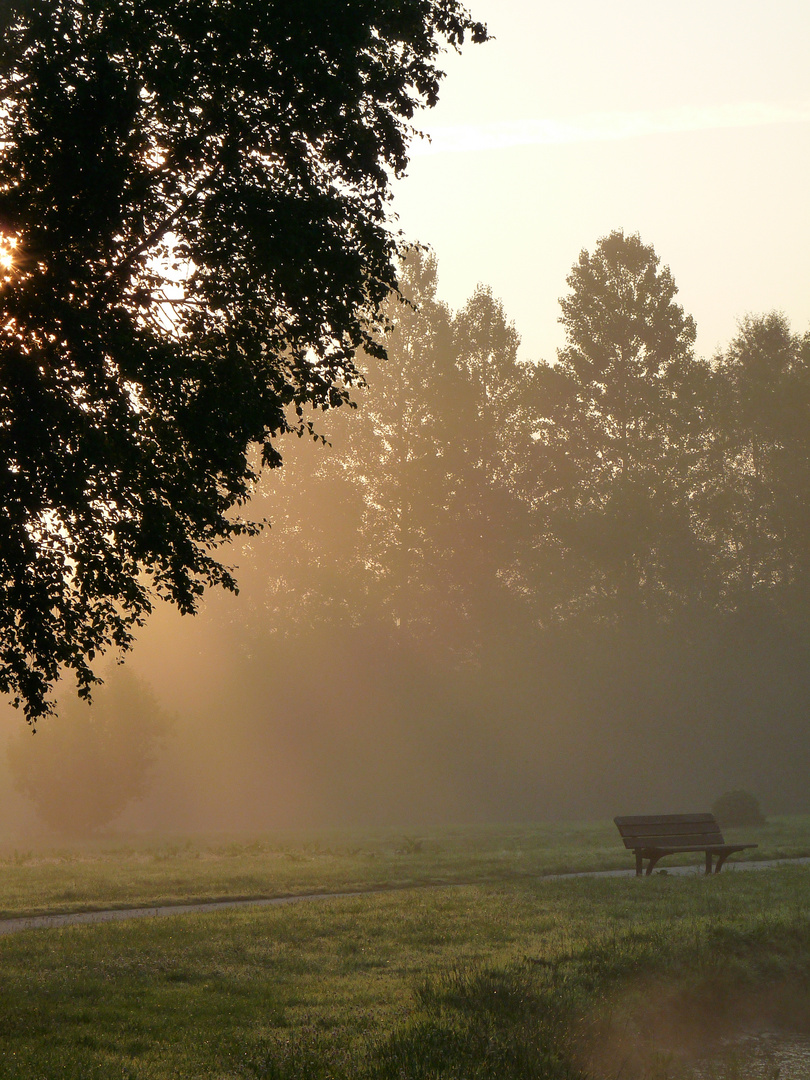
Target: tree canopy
193, 209
410, 523
501, 574
615, 433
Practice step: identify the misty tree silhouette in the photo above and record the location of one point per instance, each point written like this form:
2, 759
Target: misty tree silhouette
619, 431
83, 772
758, 491
501, 577
408, 517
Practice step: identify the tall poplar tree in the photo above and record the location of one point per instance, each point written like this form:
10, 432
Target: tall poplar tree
424, 533
618, 431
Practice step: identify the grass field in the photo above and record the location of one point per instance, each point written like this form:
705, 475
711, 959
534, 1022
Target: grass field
112, 873
507, 979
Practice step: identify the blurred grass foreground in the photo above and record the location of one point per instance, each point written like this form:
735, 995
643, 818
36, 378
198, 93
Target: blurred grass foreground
512, 977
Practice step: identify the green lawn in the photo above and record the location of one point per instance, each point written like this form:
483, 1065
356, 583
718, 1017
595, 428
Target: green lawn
146, 872
513, 978
530, 979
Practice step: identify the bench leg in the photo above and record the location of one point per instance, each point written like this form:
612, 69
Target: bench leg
651, 864
638, 864
720, 860
709, 862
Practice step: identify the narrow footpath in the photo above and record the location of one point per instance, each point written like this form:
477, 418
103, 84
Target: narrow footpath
46, 922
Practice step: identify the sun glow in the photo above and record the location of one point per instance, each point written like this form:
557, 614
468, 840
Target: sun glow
8, 245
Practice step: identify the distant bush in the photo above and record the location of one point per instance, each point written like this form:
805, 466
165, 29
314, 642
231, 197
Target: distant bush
87, 764
738, 808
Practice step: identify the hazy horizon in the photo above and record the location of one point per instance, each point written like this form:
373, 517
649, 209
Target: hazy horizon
691, 127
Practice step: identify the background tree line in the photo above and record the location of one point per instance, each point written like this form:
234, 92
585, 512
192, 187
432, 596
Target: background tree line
563, 579
628, 480
508, 589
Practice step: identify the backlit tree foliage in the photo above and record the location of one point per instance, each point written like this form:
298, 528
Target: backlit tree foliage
193, 197
618, 434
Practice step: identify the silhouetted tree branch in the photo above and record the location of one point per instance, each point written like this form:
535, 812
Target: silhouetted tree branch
250, 142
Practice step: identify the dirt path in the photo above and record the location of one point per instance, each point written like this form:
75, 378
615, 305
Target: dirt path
44, 922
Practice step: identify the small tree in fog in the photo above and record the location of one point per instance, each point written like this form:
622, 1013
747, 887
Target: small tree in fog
88, 763
760, 483
738, 808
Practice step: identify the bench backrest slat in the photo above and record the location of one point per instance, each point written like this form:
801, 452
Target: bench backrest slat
667, 840
669, 830
663, 819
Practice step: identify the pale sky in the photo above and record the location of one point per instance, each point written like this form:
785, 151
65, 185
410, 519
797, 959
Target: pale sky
688, 123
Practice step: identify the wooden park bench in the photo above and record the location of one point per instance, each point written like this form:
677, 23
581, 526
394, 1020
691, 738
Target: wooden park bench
654, 835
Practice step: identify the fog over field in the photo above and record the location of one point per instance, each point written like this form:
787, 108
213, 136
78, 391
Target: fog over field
556, 565
479, 602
